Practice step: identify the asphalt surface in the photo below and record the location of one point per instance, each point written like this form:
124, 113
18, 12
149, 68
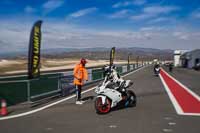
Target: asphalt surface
154, 112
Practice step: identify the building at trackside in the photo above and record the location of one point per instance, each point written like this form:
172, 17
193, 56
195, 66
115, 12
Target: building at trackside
177, 57
190, 59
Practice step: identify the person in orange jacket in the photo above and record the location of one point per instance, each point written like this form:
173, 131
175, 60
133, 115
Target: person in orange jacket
80, 75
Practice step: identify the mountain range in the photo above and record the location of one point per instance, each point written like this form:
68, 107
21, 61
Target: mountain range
95, 53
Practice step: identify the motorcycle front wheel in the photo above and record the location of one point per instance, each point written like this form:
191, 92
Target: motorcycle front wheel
131, 98
102, 108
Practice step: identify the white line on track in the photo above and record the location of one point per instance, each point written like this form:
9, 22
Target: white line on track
57, 102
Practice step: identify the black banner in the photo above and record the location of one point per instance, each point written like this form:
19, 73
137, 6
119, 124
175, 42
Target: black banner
137, 61
34, 51
128, 66
128, 59
112, 55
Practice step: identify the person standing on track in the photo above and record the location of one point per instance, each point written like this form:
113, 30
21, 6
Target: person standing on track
80, 75
170, 67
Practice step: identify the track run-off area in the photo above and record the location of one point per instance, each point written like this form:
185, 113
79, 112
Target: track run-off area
168, 103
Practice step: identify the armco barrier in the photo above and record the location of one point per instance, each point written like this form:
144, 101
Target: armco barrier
97, 74
66, 84
124, 69
18, 89
14, 92
119, 69
46, 83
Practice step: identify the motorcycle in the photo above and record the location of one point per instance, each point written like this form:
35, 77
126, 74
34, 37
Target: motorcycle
113, 93
156, 70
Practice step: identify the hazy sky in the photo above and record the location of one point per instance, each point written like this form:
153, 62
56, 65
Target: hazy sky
164, 24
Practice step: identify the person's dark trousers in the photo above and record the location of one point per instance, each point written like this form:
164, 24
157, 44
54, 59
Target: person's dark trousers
78, 92
170, 68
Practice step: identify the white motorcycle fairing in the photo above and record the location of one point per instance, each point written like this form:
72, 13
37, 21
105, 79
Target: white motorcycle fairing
113, 95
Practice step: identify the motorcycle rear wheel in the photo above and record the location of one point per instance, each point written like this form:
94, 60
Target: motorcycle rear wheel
102, 108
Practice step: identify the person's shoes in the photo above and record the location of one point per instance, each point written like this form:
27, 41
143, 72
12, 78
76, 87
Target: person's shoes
79, 102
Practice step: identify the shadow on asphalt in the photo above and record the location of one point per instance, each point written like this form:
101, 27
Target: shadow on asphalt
88, 98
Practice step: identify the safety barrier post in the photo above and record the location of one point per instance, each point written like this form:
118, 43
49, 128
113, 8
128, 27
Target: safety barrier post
28, 91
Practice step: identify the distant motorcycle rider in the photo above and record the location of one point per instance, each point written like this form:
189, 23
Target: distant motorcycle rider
156, 68
170, 67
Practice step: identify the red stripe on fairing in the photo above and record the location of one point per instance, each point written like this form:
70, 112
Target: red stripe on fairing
186, 100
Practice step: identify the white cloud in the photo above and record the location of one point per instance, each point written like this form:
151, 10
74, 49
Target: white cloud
121, 4
160, 9
196, 14
83, 12
128, 3
153, 28
29, 9
142, 16
120, 14
154, 11
129, 35
51, 5
15, 37
139, 2
181, 35
161, 19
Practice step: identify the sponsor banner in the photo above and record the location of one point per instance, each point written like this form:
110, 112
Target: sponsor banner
34, 51
128, 59
112, 56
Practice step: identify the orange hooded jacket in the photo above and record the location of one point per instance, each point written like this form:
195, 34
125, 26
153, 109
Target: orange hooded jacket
80, 74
